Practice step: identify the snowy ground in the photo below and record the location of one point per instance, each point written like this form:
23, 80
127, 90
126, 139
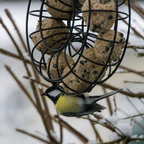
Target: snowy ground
15, 109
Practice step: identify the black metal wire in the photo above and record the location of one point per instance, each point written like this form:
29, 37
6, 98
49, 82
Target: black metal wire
77, 33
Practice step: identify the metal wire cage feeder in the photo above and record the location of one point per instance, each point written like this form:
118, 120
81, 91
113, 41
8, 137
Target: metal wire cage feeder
72, 57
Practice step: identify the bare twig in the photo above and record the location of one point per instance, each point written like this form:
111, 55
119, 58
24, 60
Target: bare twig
132, 70
134, 30
38, 102
138, 95
134, 116
35, 81
123, 135
61, 129
135, 82
7, 53
115, 104
16, 28
72, 130
32, 135
113, 142
141, 126
95, 130
108, 102
135, 108
137, 8
21, 85
48, 119
105, 124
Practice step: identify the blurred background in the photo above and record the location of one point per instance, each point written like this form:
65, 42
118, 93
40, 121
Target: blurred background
16, 111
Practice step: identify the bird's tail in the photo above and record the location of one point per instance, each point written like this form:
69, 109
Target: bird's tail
97, 98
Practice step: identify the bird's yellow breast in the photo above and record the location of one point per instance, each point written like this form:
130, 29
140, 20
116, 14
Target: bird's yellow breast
69, 104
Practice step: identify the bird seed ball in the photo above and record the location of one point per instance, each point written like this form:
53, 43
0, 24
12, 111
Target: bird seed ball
102, 48
82, 1
72, 81
48, 24
61, 64
60, 9
64, 8
100, 21
86, 70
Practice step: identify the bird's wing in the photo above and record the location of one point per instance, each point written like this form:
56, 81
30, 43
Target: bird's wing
94, 108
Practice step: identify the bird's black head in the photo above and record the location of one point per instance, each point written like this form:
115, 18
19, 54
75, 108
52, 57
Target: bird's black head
52, 93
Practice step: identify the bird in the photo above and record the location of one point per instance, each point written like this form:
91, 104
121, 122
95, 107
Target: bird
76, 105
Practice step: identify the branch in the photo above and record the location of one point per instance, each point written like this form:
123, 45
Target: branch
133, 71
109, 103
16, 28
35, 81
133, 95
32, 135
21, 86
134, 30
95, 130
7, 53
71, 129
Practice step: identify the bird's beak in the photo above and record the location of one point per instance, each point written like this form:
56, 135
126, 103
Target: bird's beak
43, 94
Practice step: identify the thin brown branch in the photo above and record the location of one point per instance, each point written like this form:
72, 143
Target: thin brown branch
34, 89
105, 124
140, 54
134, 30
61, 129
137, 8
113, 142
135, 46
9, 34
141, 126
134, 139
141, 114
16, 28
32, 135
35, 81
115, 104
134, 82
7, 53
135, 108
108, 103
72, 130
16, 46
42, 112
95, 130
132, 70
48, 118
133, 95
122, 134
21, 85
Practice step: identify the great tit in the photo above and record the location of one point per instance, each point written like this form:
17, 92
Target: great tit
77, 105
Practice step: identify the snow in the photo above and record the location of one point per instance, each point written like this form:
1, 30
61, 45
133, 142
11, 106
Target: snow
114, 136
113, 119
54, 135
134, 136
141, 136
122, 127
140, 51
91, 142
137, 90
119, 70
39, 86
